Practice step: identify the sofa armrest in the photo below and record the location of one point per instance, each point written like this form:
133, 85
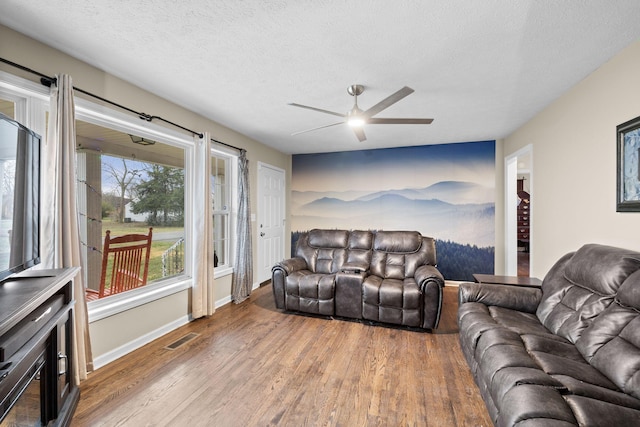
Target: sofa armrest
514, 297
290, 265
428, 273
279, 273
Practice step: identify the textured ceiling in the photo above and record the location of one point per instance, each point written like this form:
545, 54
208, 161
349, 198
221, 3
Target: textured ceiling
479, 68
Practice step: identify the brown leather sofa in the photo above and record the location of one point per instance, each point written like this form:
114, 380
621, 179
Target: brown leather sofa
564, 355
384, 276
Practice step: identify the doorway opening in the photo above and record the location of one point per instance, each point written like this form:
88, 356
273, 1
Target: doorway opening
518, 206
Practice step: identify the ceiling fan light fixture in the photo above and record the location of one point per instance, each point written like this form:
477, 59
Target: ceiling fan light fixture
355, 118
355, 121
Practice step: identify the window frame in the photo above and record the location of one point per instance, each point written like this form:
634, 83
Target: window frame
220, 151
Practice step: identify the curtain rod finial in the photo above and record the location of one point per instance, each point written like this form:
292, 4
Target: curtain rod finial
46, 81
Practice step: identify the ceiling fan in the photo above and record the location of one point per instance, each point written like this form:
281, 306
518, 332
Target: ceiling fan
357, 118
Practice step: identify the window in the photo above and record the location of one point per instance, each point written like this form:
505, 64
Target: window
222, 167
126, 184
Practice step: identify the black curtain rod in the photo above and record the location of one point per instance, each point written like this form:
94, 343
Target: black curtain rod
48, 81
227, 145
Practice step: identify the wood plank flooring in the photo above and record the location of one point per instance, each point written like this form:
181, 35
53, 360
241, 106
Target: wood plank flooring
253, 365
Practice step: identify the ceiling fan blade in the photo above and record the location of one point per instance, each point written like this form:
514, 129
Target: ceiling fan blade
385, 121
320, 127
317, 109
359, 131
388, 101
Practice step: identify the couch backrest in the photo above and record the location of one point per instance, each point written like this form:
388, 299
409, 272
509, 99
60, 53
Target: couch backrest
611, 343
397, 254
581, 285
325, 251
388, 254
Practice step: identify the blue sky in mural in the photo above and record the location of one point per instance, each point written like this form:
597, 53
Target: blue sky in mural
444, 191
386, 168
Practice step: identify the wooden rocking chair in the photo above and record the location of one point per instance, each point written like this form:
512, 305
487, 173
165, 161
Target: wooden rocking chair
129, 267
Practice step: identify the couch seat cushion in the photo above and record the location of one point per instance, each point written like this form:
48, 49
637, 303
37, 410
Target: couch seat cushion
593, 412
580, 370
581, 388
310, 292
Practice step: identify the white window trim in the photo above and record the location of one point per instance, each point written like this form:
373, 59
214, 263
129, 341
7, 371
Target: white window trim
233, 212
31, 101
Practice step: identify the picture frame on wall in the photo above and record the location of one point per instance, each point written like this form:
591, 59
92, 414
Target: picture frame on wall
628, 170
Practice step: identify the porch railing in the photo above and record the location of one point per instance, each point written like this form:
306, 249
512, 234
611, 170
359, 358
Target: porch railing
173, 259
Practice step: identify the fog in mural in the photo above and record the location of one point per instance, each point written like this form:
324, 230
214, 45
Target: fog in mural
443, 191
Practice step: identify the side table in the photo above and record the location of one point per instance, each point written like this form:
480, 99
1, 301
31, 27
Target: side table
529, 282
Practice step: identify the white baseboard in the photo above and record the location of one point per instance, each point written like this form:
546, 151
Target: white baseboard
104, 359
226, 300
223, 301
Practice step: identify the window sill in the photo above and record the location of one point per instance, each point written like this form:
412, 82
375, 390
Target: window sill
115, 304
222, 272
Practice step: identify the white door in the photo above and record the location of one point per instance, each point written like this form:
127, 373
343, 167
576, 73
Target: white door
271, 217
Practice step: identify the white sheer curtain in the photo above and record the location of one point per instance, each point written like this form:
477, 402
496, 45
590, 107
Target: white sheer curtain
202, 298
243, 274
60, 234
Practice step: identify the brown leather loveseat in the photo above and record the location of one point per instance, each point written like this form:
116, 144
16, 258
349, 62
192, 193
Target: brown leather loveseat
383, 276
567, 354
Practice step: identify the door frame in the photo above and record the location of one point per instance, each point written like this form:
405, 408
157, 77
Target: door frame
259, 217
510, 208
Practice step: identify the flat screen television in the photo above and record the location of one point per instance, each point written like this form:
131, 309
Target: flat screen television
20, 197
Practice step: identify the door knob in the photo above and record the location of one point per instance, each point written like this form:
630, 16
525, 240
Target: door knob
262, 234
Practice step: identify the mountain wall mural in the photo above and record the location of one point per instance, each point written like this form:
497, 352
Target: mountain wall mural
443, 191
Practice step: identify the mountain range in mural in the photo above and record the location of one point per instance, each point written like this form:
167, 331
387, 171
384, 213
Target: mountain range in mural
462, 212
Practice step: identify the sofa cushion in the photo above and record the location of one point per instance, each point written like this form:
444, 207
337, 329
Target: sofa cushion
593, 412
310, 293
582, 285
328, 238
389, 262
551, 344
329, 261
612, 343
601, 269
517, 321
359, 239
629, 293
535, 405
554, 364
391, 301
397, 241
581, 388
388, 266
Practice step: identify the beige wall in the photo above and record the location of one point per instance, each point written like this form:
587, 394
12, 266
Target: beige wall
107, 334
574, 163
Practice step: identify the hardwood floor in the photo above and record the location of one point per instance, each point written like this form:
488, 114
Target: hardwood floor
253, 365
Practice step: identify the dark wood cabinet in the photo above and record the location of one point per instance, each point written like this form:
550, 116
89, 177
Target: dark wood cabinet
36, 348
